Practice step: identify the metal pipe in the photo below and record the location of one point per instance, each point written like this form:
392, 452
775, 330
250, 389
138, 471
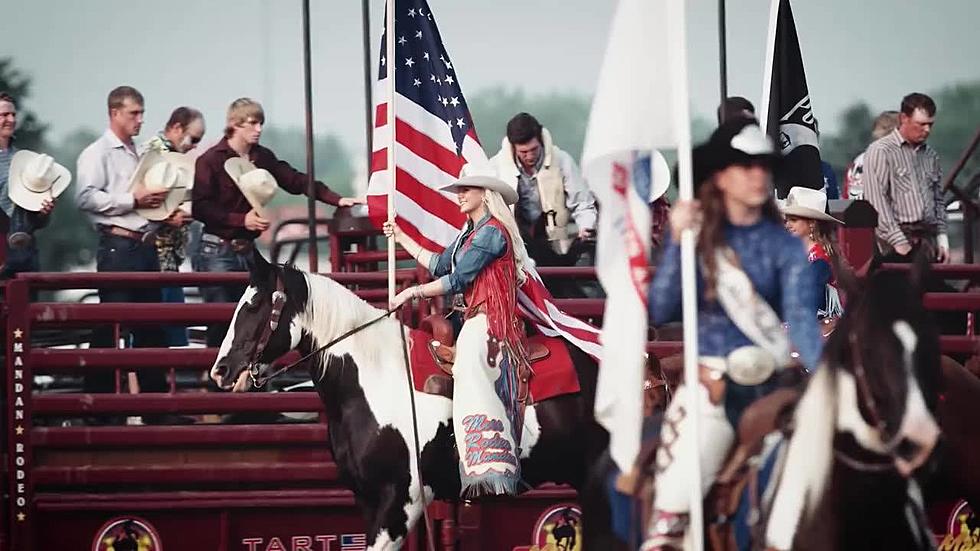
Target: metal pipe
722, 56
308, 105
368, 103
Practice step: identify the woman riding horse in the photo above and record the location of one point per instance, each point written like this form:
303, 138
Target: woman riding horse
481, 271
752, 275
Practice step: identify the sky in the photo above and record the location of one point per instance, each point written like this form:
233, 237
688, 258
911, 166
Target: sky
205, 54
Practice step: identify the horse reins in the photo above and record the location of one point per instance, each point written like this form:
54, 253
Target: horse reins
278, 302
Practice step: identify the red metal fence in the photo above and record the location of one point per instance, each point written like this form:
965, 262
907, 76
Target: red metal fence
213, 486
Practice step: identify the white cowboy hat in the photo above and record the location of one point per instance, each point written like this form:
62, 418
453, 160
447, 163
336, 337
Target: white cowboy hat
35, 177
163, 171
809, 203
258, 185
482, 176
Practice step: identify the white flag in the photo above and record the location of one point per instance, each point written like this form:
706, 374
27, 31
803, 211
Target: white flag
630, 118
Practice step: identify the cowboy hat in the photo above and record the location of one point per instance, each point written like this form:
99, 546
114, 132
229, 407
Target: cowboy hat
482, 175
35, 177
163, 171
258, 185
809, 203
739, 141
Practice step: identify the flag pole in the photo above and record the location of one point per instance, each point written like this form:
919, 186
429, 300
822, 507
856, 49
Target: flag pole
308, 105
767, 68
677, 41
390, 118
368, 81
722, 55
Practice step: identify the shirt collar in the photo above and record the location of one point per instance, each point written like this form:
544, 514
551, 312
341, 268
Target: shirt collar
113, 140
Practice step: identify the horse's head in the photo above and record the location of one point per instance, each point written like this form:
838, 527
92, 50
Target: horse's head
263, 327
887, 351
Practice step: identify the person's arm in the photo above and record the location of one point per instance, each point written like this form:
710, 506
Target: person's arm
578, 197
820, 275
942, 239
488, 244
798, 290
91, 185
665, 289
206, 200
296, 182
877, 190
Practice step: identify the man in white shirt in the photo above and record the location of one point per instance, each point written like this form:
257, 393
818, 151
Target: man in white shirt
126, 240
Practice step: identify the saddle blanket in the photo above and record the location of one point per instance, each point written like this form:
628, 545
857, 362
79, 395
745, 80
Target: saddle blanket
552, 376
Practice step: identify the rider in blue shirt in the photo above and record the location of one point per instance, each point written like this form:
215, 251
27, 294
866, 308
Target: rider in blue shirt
752, 274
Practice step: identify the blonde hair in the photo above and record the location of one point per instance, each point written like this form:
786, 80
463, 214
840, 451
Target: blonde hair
498, 208
240, 111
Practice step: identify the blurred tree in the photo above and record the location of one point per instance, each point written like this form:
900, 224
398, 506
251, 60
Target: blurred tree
565, 115
332, 163
30, 131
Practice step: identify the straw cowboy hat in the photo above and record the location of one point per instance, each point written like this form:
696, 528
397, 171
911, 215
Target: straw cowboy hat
35, 177
482, 176
163, 171
258, 185
809, 203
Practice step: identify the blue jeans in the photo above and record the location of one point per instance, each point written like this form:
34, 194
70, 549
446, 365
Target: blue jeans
120, 254
215, 255
175, 335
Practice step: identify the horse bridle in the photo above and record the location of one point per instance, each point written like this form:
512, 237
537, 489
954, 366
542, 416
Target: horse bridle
278, 301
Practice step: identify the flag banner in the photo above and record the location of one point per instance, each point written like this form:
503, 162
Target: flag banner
435, 139
791, 123
630, 118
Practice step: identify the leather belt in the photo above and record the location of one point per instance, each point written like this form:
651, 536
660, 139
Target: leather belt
119, 231
239, 246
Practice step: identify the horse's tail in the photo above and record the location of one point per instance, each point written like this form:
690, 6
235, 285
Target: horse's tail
809, 459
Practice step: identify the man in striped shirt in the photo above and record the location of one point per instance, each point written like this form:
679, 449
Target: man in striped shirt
903, 181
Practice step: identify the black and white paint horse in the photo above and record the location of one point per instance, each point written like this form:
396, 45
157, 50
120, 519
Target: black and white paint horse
364, 388
864, 427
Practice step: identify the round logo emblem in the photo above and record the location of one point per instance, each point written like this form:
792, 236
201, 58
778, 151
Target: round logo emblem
962, 529
127, 534
559, 528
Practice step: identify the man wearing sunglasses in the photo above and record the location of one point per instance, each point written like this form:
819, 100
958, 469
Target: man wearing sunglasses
182, 133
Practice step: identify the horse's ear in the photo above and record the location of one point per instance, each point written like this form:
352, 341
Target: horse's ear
260, 270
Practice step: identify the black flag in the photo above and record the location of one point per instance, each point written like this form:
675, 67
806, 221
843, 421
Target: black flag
790, 119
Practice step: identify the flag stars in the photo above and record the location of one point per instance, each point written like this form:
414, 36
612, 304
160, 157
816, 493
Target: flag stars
444, 102
432, 77
425, 56
382, 61
402, 40
449, 80
454, 101
411, 12
418, 34
416, 82
460, 123
409, 61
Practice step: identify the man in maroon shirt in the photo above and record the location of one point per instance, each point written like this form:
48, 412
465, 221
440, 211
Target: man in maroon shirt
230, 223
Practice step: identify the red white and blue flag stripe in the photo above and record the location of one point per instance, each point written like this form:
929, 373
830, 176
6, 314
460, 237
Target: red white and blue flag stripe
435, 138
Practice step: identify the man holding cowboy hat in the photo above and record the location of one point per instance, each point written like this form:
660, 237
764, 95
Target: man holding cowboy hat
29, 184
119, 204
232, 182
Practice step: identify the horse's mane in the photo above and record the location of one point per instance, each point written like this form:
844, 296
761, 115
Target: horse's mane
332, 310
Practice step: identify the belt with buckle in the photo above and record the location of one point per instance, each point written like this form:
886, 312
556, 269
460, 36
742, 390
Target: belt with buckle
236, 245
120, 231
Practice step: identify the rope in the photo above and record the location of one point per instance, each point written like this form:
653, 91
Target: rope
418, 449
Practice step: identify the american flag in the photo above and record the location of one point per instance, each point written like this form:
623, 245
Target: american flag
435, 139
353, 542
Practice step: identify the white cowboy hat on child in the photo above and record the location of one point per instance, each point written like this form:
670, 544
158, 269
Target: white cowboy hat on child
482, 176
807, 203
34, 177
258, 185
163, 171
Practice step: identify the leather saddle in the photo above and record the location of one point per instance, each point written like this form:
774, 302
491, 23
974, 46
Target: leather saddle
442, 346
769, 414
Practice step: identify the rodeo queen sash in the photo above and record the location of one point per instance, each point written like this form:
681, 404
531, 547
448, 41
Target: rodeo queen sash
750, 365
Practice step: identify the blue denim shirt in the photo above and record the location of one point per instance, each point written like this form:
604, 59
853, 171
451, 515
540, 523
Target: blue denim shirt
458, 265
775, 262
